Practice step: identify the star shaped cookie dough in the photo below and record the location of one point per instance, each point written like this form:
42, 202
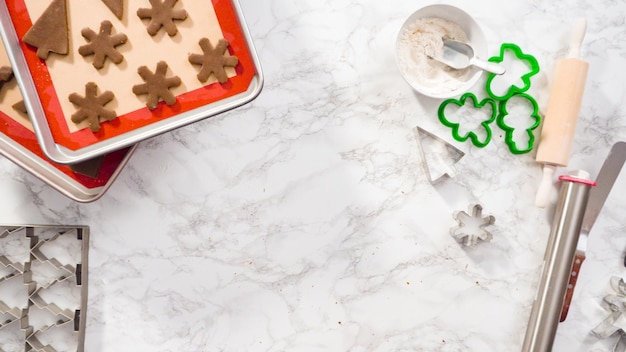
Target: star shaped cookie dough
102, 45
162, 15
156, 85
91, 106
213, 60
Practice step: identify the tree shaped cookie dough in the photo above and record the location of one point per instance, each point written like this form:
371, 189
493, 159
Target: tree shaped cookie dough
20, 107
49, 33
213, 60
116, 6
91, 106
102, 45
157, 85
162, 15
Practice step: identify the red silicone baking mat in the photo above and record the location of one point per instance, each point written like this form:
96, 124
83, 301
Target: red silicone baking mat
25, 152
47, 84
18, 143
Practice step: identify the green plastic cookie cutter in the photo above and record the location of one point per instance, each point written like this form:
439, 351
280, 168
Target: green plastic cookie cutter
531, 62
510, 131
473, 137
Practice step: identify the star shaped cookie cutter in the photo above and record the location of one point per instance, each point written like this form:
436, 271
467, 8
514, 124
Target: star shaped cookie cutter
471, 228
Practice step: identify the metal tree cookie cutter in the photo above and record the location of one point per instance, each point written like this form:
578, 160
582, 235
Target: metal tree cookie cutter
510, 130
455, 126
41, 273
493, 79
438, 156
471, 228
615, 323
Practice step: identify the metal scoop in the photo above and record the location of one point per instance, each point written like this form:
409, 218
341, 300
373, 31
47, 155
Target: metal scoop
459, 55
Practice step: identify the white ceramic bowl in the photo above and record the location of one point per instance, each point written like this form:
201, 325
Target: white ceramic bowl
442, 88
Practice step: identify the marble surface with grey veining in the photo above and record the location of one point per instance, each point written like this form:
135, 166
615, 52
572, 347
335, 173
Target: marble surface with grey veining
304, 221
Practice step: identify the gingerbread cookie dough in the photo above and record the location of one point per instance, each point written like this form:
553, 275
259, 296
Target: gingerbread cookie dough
212, 60
162, 15
157, 85
50, 33
91, 106
20, 107
90, 168
116, 6
6, 75
102, 45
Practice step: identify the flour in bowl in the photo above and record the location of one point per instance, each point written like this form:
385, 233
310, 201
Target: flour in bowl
424, 38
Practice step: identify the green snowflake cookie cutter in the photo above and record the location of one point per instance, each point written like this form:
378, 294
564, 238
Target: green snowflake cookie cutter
473, 137
517, 52
509, 131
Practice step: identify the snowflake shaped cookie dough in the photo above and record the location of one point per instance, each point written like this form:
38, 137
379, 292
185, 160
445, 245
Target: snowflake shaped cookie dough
213, 60
162, 15
91, 106
472, 225
157, 85
102, 45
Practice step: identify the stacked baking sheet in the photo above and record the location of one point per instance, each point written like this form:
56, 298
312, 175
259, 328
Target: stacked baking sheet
90, 79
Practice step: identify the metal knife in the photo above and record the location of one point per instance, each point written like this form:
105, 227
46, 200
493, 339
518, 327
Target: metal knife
597, 196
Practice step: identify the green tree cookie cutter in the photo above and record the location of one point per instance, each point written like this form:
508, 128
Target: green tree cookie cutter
473, 137
510, 131
530, 61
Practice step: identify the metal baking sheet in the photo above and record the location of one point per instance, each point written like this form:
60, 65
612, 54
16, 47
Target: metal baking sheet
18, 143
60, 140
61, 177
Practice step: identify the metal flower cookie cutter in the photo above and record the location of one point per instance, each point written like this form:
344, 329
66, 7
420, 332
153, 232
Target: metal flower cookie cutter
43, 288
471, 226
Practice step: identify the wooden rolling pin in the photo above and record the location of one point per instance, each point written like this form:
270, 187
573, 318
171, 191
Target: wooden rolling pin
559, 125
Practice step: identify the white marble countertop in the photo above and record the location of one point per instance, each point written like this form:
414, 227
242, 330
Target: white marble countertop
304, 221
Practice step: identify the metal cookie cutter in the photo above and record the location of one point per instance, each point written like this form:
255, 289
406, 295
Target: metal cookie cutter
26, 260
471, 228
615, 323
438, 156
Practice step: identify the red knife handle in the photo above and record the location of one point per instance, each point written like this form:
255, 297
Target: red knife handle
578, 261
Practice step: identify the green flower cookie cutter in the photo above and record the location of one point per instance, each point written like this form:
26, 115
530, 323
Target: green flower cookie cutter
509, 131
473, 137
531, 62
